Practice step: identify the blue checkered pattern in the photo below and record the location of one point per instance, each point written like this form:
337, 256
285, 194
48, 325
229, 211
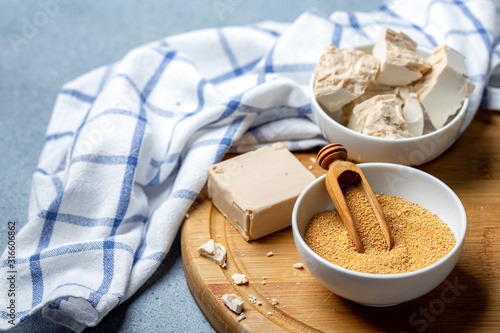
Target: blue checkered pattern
128, 144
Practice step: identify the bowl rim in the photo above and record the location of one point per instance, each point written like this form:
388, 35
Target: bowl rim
457, 118
458, 241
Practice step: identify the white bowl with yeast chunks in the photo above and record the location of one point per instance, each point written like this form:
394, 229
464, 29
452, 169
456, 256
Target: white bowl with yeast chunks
383, 289
406, 151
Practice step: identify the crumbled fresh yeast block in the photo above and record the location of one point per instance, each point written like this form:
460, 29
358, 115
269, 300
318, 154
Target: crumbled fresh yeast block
214, 251
379, 116
443, 90
400, 63
412, 110
239, 278
342, 75
348, 108
233, 302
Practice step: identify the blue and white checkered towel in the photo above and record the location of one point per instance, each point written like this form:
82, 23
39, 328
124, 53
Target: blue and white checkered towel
128, 144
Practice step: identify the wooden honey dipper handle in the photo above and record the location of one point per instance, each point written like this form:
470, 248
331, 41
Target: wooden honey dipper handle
330, 153
328, 156
341, 173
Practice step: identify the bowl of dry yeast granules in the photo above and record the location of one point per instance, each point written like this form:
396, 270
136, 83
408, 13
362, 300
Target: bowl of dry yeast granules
427, 221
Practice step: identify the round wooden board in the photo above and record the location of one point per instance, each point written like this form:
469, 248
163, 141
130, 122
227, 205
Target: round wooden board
304, 304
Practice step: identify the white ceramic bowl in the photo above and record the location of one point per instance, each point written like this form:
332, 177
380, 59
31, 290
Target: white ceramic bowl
383, 289
406, 151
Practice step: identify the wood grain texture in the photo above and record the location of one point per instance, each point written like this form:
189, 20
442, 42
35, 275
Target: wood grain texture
467, 301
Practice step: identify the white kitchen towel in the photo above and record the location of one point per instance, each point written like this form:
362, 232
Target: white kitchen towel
129, 143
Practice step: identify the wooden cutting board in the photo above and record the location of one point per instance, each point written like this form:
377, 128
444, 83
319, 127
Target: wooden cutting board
468, 300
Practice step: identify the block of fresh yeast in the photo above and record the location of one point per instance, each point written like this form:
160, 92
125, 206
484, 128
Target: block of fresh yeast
400, 63
443, 90
342, 75
256, 191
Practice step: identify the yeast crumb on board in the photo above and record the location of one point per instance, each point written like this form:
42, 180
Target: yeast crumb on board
239, 279
233, 302
213, 251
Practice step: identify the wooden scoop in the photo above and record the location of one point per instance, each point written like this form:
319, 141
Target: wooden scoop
341, 173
